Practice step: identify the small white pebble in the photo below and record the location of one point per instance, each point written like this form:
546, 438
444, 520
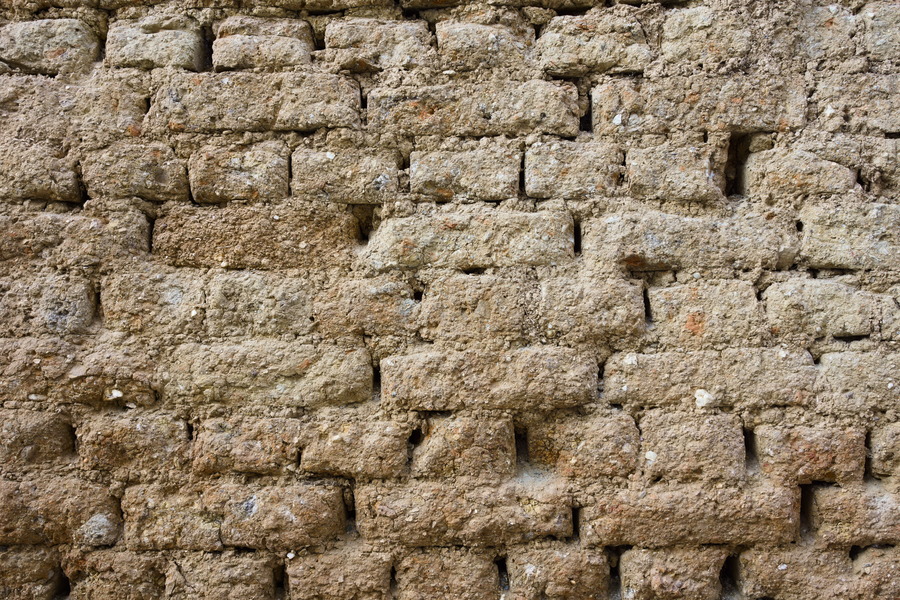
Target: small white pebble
703, 398
890, 386
617, 120
275, 217
291, 555
330, 155
116, 394
650, 456
782, 567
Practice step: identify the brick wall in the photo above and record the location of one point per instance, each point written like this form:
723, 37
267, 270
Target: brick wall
427, 299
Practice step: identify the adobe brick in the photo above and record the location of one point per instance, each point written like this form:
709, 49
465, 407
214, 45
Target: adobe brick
472, 46
609, 450
698, 177
529, 378
447, 573
855, 382
796, 571
32, 437
29, 573
163, 518
465, 446
115, 573
253, 173
49, 46
246, 445
706, 36
802, 455
593, 308
244, 42
37, 171
361, 44
789, 173
885, 449
568, 169
149, 170
156, 41
156, 302
490, 172
382, 305
343, 573
209, 576
345, 176
875, 571
374, 449
850, 236
681, 571
881, 37
863, 514
869, 101
35, 304
558, 570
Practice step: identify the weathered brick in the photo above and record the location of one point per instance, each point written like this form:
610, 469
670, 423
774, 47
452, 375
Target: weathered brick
885, 448
856, 515
48, 46
609, 450
529, 378
478, 237
602, 40
344, 573
34, 304
564, 169
802, 455
470, 46
263, 371
363, 450
345, 176
882, 24
383, 305
30, 574
57, 510
111, 108
116, 573
790, 173
707, 314
149, 170
688, 447
286, 234
480, 109
134, 444
241, 303
557, 571
252, 173
244, 42
692, 514
698, 176
827, 32
373, 44
855, 382
156, 41
255, 102
280, 517
739, 377
680, 572
447, 573
795, 571
876, 573
211, 576
705, 35
246, 445
161, 518
37, 172
465, 446
591, 309
850, 236
31, 437
153, 301
441, 514
489, 172
859, 102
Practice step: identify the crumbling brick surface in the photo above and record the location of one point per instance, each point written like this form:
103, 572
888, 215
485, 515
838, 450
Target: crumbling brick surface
449, 299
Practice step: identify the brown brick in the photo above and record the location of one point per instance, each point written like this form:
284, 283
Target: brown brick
876, 573
36, 171
246, 445
795, 571
869, 101
244, 42
117, 574
161, 518
679, 572
32, 437
156, 41
345, 176
211, 576
567, 169
29, 574
366, 450
488, 172
447, 573
359, 44
153, 301
790, 173
706, 35
592, 308
558, 570
885, 448
863, 514
881, 40
604, 445
344, 573
253, 173
36, 304
49, 46
851, 383
473, 46
383, 305
532, 377
697, 178
807, 454
850, 237
465, 446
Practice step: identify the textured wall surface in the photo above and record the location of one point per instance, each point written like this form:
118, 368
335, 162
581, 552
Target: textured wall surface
428, 299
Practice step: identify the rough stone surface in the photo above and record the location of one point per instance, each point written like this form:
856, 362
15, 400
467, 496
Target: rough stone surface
449, 300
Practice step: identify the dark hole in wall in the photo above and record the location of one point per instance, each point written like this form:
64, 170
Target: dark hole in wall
376, 378
206, 63
729, 577
892, 135
474, 270
350, 510
576, 522
281, 582
751, 458
648, 311
850, 338
586, 121
63, 588
522, 189
807, 507
576, 233
365, 218
392, 585
738, 151
502, 573
190, 430
521, 439
614, 555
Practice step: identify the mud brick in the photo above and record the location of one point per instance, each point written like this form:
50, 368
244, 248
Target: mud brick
796, 571
465, 446
855, 382
885, 447
802, 454
57, 510
211, 576
381, 305
809, 309
706, 36
36, 304
111, 108
556, 571
739, 377
599, 41
692, 514
790, 173
708, 314
856, 515
563, 169
37, 172
133, 445
373, 44
479, 109
148, 170
48, 46
525, 379
882, 24
364, 450
246, 445
250, 236
850, 237
655, 241
252, 303
475, 238
345, 573
471, 46
441, 514
609, 450
875, 571
591, 309
827, 32
156, 41
29, 574
686, 572
447, 573
161, 518
869, 100
746, 102
688, 447
116, 573
278, 518
474, 307
345, 176
255, 102
153, 301
31, 437
266, 371
42, 111
252, 173
698, 176
489, 172
244, 42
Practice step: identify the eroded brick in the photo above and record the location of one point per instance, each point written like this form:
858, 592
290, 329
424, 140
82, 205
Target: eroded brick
244, 42
254, 173
156, 41
345, 176
150, 171
564, 169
